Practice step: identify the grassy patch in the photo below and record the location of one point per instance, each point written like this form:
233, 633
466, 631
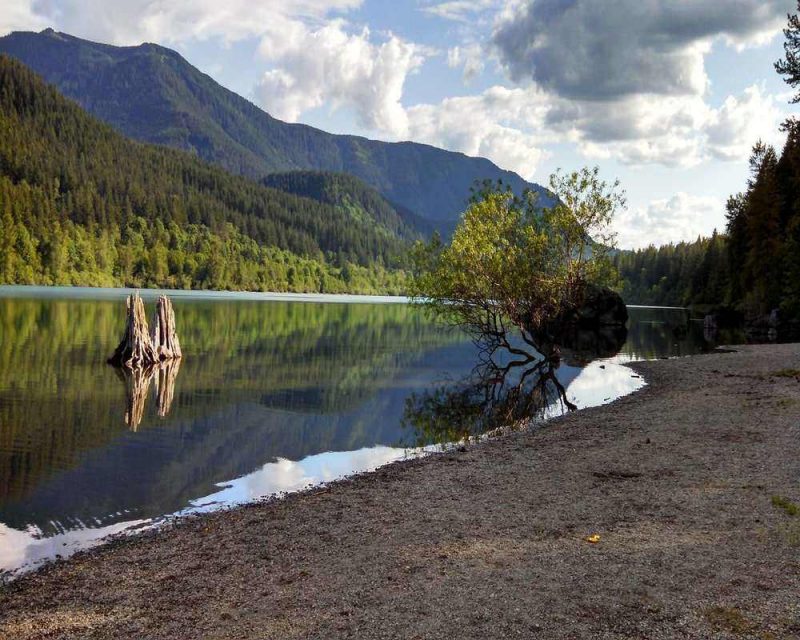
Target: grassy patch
728, 619
787, 373
790, 530
790, 533
789, 507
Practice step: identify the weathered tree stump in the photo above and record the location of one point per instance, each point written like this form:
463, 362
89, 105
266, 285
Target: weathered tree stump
140, 348
136, 348
164, 337
142, 356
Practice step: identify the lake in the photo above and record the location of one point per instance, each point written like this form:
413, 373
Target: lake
274, 394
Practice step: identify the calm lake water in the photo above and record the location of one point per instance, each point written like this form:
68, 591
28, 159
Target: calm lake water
274, 394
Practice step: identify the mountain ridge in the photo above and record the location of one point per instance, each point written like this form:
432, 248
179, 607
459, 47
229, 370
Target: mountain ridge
151, 93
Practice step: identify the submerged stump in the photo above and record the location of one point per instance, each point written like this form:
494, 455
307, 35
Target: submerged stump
136, 348
164, 337
139, 348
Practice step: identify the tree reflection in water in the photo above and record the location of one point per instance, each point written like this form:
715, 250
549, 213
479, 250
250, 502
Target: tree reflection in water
514, 392
137, 384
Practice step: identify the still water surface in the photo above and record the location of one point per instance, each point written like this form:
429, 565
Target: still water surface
272, 395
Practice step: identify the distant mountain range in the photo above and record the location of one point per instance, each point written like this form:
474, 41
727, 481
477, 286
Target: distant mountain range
150, 93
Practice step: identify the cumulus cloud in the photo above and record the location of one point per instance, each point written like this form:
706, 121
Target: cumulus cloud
330, 66
599, 51
682, 217
741, 121
623, 81
504, 125
134, 21
514, 127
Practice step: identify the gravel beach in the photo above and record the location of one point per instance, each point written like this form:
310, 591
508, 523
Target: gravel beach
692, 485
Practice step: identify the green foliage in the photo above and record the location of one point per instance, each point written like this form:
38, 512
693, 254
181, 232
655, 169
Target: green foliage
786, 505
512, 261
676, 274
81, 204
789, 67
360, 201
764, 230
152, 94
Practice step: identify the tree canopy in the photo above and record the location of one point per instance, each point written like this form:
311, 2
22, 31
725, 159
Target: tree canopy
789, 66
512, 263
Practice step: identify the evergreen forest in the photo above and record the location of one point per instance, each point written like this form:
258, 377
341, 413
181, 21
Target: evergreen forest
80, 204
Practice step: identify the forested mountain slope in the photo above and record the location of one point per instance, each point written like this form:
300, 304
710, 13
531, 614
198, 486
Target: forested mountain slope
151, 93
82, 204
353, 195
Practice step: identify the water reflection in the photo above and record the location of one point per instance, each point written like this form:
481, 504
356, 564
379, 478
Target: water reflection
137, 383
286, 476
514, 388
273, 396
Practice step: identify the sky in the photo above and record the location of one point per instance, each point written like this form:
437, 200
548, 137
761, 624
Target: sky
667, 95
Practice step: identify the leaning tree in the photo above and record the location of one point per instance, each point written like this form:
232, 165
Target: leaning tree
513, 264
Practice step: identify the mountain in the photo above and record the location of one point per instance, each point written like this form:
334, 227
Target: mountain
353, 195
152, 94
82, 204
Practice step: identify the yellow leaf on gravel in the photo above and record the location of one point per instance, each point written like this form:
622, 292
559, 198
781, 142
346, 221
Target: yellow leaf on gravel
594, 538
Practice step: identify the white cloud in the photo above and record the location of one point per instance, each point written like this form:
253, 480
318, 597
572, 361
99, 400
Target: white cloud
741, 121
19, 14
601, 51
623, 81
329, 66
461, 10
513, 127
682, 217
504, 125
134, 21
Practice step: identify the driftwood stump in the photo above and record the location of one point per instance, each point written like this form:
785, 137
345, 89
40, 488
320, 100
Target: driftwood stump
136, 348
142, 356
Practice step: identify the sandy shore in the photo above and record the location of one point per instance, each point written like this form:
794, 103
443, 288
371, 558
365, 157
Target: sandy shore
689, 484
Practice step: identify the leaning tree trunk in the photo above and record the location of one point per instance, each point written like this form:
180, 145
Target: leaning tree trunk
164, 337
136, 348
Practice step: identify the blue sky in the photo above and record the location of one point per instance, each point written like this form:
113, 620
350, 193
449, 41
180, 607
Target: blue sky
667, 96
